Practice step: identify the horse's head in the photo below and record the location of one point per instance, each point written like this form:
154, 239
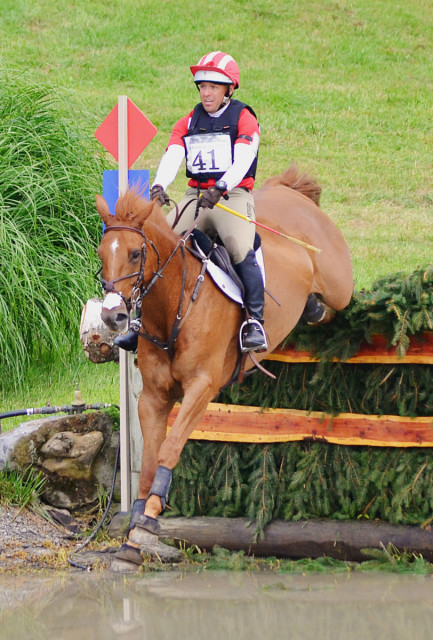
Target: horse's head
123, 255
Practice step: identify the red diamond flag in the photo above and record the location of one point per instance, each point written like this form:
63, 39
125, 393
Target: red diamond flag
140, 132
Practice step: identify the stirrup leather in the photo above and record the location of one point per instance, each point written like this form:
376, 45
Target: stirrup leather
261, 345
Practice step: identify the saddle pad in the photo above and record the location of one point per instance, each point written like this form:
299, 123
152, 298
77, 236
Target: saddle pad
224, 282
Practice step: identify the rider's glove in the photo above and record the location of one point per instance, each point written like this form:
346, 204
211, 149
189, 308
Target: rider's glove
158, 193
210, 198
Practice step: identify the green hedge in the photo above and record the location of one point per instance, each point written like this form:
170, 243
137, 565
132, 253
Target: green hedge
315, 480
292, 481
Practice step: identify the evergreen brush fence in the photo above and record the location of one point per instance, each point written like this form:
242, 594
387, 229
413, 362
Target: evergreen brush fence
308, 479
49, 174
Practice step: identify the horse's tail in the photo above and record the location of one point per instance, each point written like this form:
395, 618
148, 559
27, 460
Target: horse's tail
303, 183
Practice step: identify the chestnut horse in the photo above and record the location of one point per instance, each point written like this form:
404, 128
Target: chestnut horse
188, 350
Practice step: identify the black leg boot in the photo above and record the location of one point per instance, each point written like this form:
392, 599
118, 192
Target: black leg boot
316, 311
129, 340
253, 337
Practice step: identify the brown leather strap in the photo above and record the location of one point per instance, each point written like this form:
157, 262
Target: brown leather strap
259, 366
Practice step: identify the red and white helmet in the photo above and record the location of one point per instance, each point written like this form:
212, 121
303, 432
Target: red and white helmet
216, 67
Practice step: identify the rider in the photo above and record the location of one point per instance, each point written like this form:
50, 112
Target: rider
219, 139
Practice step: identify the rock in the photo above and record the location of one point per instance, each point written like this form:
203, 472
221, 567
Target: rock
118, 526
71, 454
75, 454
63, 518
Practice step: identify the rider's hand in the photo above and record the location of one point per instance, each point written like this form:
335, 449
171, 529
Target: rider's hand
158, 193
210, 198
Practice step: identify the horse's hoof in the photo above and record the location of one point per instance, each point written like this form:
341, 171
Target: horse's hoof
127, 559
149, 543
147, 523
121, 566
128, 553
327, 316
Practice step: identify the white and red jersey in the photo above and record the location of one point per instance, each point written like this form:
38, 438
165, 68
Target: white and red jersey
216, 146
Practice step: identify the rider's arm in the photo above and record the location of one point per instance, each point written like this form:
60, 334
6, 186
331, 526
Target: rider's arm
245, 149
174, 154
169, 165
244, 156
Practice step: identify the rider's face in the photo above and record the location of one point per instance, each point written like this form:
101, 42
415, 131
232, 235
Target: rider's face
212, 95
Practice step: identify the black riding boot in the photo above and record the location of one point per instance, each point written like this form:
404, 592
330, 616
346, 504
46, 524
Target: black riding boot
253, 337
129, 340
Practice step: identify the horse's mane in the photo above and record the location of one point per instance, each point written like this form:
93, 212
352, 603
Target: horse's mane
134, 210
303, 183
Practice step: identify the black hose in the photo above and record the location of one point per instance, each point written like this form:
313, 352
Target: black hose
50, 409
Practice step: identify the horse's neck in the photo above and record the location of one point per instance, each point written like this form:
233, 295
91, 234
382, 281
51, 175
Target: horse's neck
175, 269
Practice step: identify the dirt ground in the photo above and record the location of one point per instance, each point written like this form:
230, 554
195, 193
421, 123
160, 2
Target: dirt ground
29, 541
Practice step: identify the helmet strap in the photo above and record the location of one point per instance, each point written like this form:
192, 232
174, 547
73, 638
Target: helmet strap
227, 96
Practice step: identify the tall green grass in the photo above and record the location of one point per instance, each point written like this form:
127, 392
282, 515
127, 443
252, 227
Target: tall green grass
49, 173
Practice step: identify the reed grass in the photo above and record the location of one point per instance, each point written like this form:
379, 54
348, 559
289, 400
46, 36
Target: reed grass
49, 173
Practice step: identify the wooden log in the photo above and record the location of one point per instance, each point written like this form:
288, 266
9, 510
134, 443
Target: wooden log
236, 423
343, 540
420, 351
95, 337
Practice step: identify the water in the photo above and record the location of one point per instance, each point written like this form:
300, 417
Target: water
216, 605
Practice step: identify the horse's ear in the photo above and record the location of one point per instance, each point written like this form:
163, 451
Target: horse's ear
102, 209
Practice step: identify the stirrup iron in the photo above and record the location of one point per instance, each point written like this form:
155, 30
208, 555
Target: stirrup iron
262, 343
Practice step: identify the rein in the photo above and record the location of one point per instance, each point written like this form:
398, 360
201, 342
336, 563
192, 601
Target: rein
179, 321
169, 344
140, 290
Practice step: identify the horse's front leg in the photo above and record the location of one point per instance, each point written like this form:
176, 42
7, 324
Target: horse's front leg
154, 407
197, 395
153, 412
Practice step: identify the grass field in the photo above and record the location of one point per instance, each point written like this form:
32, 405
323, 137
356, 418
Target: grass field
341, 88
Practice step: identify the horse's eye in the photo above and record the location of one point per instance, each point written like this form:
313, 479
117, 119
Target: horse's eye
135, 255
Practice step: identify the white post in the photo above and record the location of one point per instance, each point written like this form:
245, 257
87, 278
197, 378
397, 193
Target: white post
125, 472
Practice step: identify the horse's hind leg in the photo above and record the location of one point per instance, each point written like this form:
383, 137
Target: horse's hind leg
316, 311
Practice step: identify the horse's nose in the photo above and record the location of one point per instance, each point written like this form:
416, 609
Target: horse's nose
115, 321
114, 312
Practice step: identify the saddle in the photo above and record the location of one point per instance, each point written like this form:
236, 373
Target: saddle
221, 265
213, 249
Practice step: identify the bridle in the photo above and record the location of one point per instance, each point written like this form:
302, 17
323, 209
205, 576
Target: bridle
109, 285
140, 289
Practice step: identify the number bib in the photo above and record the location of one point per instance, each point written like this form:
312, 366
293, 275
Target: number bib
208, 153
